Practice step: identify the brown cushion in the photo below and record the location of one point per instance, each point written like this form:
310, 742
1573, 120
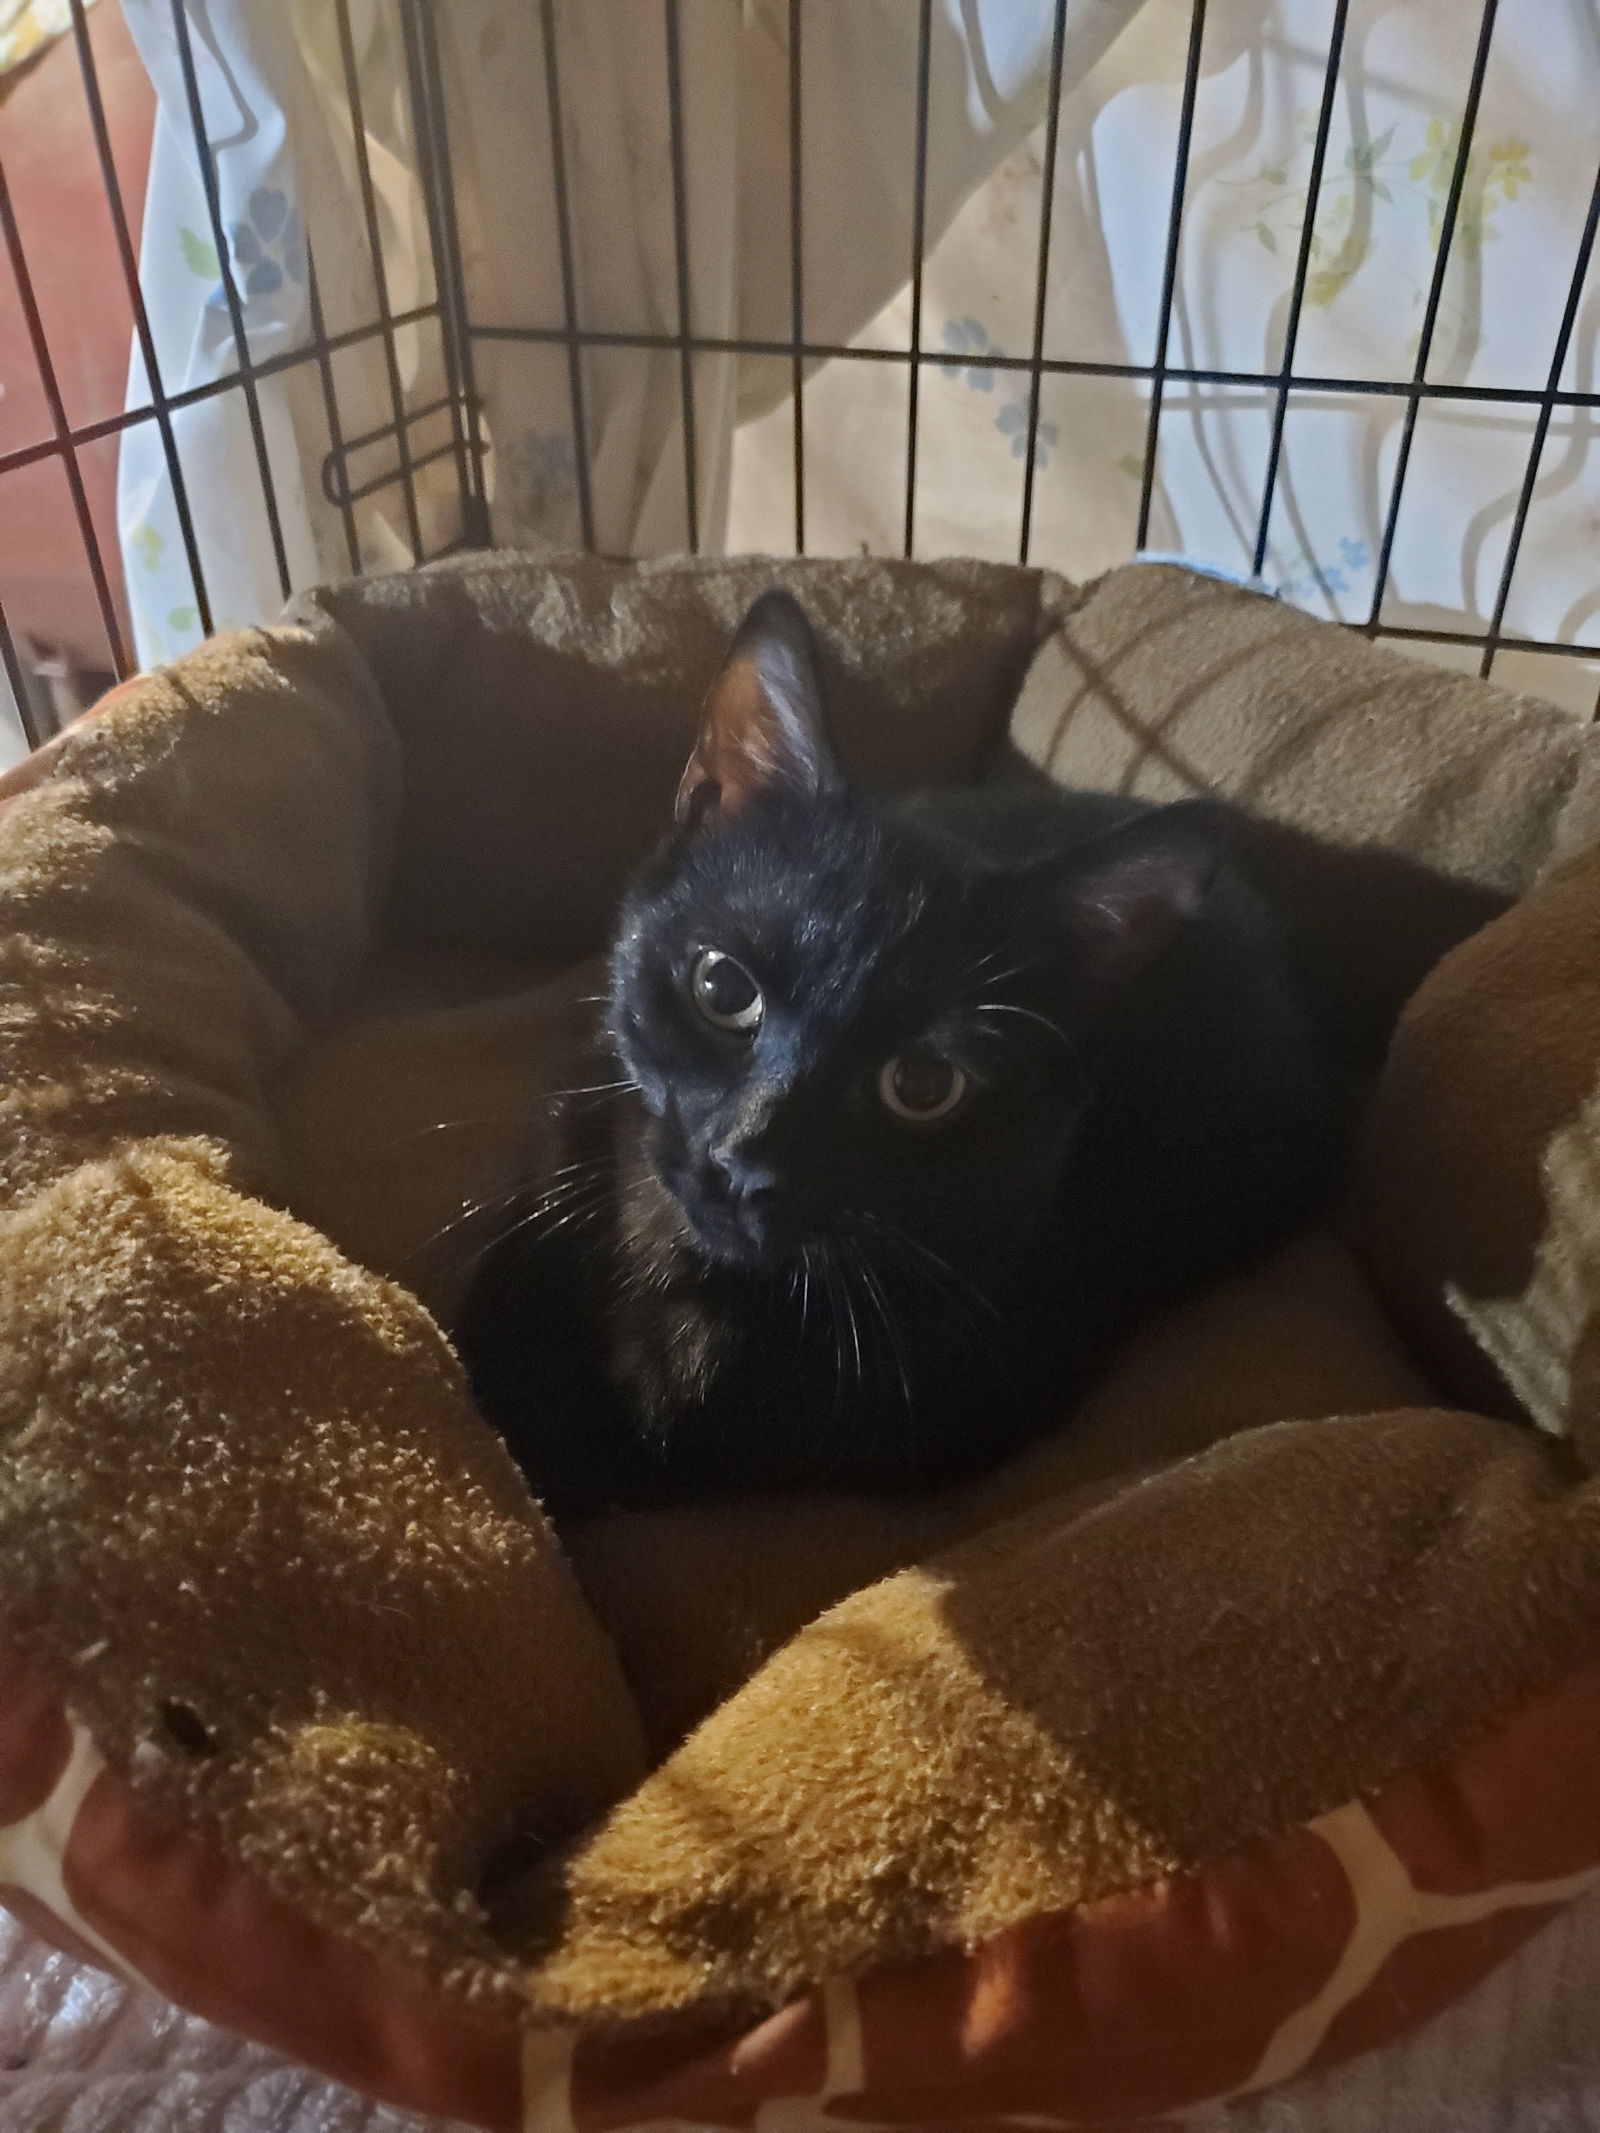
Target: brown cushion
1398, 805
1247, 1719
1478, 1208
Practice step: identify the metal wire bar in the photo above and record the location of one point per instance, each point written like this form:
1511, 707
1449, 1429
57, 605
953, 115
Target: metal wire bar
797, 370
1302, 268
1041, 293
248, 371
336, 483
104, 598
1430, 315
569, 290
1283, 385
330, 404
680, 240
430, 135
1169, 272
191, 395
21, 694
1556, 648
1308, 383
385, 480
1541, 428
919, 217
380, 274
410, 419
141, 317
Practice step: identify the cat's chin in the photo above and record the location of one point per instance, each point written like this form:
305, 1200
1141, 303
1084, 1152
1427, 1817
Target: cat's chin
720, 1239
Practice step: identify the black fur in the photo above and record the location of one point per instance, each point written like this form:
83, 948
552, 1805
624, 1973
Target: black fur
761, 1278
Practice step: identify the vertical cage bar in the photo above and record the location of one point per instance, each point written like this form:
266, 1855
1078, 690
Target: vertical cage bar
1041, 291
230, 292
797, 376
380, 273
330, 403
1169, 271
1430, 315
141, 317
1541, 428
1297, 292
448, 289
63, 430
481, 531
680, 239
569, 285
21, 695
919, 218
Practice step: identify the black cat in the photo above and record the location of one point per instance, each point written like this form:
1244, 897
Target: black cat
927, 1101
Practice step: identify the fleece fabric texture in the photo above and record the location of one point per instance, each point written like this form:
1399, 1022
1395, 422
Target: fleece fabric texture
1481, 1199
295, 936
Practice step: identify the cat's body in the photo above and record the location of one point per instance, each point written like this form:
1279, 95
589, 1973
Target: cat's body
1015, 1067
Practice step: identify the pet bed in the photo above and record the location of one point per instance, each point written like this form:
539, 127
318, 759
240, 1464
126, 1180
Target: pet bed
1235, 1731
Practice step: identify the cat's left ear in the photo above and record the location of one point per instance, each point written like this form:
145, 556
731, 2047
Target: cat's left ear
1127, 892
763, 728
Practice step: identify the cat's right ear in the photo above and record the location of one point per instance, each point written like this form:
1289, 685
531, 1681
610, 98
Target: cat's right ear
1127, 891
763, 728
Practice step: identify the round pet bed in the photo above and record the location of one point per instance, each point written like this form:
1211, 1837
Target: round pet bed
1233, 1731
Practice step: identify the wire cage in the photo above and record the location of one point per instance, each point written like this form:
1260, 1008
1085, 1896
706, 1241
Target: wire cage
75, 144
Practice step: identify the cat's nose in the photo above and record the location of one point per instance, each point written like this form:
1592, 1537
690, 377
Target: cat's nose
742, 1174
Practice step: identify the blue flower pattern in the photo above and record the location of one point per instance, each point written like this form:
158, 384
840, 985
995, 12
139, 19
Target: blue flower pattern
268, 249
966, 336
1309, 580
969, 337
1012, 422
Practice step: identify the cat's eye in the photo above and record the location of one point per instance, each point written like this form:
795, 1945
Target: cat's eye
725, 992
920, 1088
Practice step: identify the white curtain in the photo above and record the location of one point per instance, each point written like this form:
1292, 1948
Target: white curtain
272, 85
1394, 134
277, 117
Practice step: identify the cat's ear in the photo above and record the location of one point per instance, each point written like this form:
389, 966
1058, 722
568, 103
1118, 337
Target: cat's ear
1127, 891
763, 728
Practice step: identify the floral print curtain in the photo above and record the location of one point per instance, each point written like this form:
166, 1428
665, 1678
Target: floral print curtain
274, 85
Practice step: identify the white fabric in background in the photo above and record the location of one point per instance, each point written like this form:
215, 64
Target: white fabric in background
276, 118
987, 74
1395, 129
272, 90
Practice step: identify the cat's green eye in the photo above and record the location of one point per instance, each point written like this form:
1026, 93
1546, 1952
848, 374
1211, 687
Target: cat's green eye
920, 1088
725, 992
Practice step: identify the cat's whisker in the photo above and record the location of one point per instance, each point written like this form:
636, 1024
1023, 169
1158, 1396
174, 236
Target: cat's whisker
886, 1318
553, 1185
984, 968
832, 1281
469, 1211
847, 1290
941, 1276
450, 1125
524, 1109
580, 1202
1026, 1014
580, 1213
993, 978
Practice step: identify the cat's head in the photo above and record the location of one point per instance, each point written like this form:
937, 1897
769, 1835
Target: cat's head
841, 1020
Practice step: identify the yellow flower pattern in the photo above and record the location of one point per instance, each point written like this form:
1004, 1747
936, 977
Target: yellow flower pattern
1372, 177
